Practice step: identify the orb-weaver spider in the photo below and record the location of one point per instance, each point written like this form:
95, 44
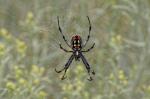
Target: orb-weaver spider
76, 46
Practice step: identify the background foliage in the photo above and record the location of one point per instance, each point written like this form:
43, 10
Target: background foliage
29, 49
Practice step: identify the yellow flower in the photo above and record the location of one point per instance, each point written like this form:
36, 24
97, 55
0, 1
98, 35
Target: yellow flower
22, 81
30, 15
121, 72
65, 98
29, 18
64, 87
148, 87
113, 40
36, 81
79, 85
42, 94
5, 33
121, 75
18, 72
118, 37
10, 85
21, 46
86, 94
67, 87
70, 87
2, 49
79, 69
35, 69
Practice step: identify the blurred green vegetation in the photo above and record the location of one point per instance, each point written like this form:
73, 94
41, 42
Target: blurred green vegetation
29, 49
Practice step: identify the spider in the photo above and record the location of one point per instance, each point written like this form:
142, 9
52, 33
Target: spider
76, 45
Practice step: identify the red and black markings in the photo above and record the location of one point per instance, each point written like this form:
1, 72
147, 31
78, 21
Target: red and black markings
76, 42
76, 37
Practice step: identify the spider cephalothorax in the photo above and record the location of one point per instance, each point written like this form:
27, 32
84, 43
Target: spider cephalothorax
76, 46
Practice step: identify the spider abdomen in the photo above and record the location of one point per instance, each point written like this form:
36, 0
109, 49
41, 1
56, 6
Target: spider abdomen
76, 42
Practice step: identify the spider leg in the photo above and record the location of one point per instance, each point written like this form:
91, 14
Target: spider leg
63, 77
87, 67
64, 49
89, 48
66, 67
60, 30
88, 37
